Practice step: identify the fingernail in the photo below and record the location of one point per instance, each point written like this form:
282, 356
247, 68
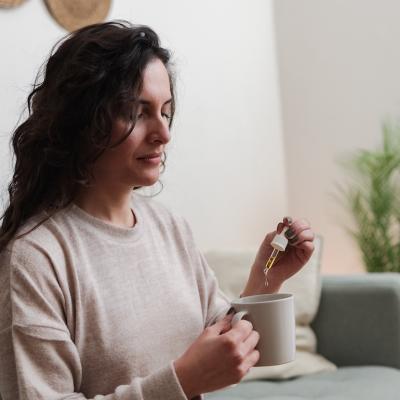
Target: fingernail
231, 311
289, 220
290, 234
293, 239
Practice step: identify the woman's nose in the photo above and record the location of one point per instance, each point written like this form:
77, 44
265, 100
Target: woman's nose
160, 131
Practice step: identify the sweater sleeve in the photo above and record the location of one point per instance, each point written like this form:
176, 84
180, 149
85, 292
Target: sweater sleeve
38, 358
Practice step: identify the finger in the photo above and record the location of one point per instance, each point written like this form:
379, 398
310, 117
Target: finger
303, 236
228, 318
299, 225
296, 228
281, 226
241, 330
252, 359
221, 325
287, 222
250, 343
227, 328
305, 250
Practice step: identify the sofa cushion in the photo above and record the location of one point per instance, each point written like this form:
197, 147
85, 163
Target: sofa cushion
232, 268
347, 383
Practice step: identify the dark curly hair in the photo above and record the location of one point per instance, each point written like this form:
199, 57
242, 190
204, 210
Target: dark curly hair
91, 77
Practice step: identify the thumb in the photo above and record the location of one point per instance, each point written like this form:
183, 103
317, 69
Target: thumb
222, 325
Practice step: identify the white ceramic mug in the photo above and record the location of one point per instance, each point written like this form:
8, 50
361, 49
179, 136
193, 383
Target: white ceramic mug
272, 316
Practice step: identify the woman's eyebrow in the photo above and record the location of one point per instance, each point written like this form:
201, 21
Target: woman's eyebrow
147, 102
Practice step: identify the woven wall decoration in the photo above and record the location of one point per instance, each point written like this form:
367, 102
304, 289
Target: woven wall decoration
74, 14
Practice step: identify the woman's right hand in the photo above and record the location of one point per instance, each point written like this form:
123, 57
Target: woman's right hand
221, 356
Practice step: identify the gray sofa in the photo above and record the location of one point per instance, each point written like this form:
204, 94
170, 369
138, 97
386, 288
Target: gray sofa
358, 328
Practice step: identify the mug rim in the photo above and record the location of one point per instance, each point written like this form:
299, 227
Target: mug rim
262, 298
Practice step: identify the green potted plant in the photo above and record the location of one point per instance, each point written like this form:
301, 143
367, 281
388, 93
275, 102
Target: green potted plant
373, 198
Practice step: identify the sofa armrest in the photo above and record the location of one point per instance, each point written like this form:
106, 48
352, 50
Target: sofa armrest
358, 320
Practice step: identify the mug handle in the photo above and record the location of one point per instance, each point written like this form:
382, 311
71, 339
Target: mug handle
238, 316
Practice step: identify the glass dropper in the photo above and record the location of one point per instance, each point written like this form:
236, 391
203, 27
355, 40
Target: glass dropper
279, 243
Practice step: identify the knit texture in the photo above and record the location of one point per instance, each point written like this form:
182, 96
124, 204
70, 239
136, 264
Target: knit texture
89, 310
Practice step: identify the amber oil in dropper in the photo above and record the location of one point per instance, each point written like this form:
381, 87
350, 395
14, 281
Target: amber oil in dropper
278, 244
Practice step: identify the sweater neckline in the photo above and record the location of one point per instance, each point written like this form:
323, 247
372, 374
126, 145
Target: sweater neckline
111, 231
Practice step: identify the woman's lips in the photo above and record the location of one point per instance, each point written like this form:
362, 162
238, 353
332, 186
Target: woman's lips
153, 159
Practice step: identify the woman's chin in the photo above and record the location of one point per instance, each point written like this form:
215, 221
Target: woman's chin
148, 180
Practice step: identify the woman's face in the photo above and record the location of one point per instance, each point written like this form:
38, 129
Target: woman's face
137, 160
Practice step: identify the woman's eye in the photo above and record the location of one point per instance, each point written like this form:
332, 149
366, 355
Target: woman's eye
143, 114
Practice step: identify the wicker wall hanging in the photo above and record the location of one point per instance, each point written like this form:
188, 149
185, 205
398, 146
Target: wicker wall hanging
10, 3
71, 14
74, 14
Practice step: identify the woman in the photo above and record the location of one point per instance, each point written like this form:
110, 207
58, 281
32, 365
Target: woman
103, 291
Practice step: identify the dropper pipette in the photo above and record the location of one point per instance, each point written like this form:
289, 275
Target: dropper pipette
279, 243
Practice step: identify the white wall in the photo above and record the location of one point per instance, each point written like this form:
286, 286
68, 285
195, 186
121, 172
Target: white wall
339, 64
225, 169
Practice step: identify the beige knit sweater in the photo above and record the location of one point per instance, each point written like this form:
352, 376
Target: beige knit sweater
89, 310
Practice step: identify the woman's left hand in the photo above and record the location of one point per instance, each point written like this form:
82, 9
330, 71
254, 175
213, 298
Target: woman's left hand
297, 253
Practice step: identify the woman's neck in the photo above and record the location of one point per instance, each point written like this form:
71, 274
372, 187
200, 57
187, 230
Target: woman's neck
112, 205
